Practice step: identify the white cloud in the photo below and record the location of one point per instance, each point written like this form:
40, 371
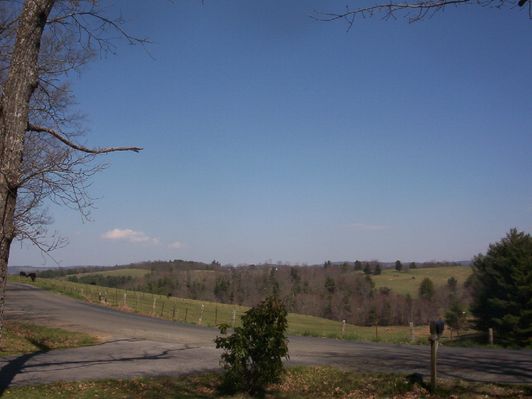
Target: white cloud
175, 245
129, 235
369, 227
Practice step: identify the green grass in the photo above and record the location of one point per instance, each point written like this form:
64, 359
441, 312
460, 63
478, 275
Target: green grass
25, 337
212, 314
298, 383
408, 282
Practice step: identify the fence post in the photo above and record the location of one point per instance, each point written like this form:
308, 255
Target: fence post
343, 328
200, 320
412, 335
436, 330
215, 315
234, 318
186, 313
173, 313
125, 298
162, 309
153, 307
490, 335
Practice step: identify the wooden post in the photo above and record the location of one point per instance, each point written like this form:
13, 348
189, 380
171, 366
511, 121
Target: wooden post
125, 298
433, 356
490, 335
376, 331
412, 335
215, 315
436, 330
153, 307
234, 318
343, 328
186, 313
162, 309
200, 320
173, 313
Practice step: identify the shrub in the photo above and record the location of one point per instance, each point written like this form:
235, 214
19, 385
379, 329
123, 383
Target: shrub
253, 354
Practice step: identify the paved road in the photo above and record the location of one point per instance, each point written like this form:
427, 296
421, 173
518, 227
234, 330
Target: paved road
134, 345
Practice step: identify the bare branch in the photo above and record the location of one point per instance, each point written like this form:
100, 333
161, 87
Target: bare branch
413, 10
78, 147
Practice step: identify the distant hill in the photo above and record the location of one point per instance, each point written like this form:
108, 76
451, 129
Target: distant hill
27, 269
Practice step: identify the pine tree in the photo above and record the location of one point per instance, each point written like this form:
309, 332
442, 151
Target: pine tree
502, 289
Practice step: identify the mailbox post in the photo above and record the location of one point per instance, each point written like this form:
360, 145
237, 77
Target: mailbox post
436, 330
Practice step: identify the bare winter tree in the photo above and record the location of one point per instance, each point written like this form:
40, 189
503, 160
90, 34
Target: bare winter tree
41, 160
413, 10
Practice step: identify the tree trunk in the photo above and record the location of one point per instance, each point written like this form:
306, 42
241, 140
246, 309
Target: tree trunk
18, 89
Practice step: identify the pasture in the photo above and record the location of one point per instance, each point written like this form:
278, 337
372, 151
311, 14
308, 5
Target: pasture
408, 282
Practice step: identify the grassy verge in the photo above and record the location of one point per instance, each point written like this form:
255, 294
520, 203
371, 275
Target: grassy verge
308, 382
26, 338
212, 314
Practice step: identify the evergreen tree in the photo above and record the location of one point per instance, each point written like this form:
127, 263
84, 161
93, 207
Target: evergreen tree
426, 289
502, 289
377, 270
456, 316
358, 265
398, 265
367, 268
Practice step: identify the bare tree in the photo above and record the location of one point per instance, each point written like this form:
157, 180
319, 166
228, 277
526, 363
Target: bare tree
41, 160
411, 9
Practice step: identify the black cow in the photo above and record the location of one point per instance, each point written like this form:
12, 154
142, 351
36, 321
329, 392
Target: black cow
22, 274
33, 276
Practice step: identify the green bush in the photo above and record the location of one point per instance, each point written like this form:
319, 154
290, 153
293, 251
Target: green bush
253, 354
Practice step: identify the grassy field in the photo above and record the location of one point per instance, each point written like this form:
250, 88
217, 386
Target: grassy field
408, 282
26, 337
300, 382
212, 314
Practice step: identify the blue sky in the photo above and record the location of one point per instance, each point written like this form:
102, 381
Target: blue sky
271, 136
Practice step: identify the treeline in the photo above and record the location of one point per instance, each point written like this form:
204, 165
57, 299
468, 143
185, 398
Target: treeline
344, 292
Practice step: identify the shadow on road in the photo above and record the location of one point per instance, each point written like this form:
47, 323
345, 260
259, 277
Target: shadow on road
45, 361
14, 367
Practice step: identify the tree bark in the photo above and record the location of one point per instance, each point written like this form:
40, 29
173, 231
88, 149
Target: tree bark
18, 89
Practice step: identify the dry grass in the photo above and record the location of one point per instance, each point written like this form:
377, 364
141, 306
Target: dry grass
303, 383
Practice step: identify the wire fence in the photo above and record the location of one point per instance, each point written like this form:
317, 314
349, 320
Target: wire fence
212, 314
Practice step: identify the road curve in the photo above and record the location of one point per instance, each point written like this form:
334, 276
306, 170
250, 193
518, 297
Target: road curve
134, 345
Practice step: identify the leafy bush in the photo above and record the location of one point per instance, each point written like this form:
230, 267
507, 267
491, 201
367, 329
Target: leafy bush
253, 354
